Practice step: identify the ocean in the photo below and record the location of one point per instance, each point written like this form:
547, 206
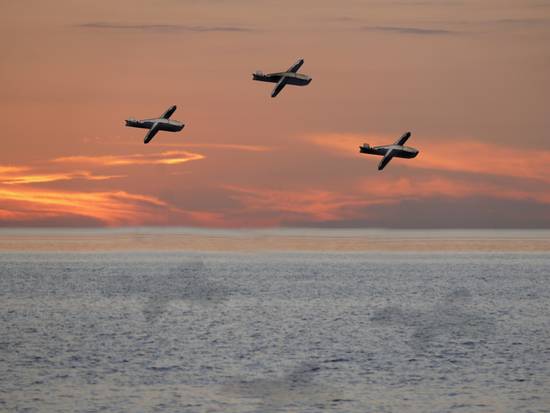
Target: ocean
153, 320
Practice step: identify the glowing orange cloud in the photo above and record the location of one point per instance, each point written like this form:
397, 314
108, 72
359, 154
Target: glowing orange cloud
42, 178
356, 198
6, 214
12, 169
409, 188
15, 175
317, 205
231, 146
166, 158
108, 207
454, 155
487, 159
111, 207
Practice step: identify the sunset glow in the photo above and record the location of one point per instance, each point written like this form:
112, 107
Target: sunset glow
35, 179
474, 92
166, 158
107, 207
462, 155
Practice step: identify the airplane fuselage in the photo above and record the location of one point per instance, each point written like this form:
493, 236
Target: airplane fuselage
398, 151
297, 79
162, 124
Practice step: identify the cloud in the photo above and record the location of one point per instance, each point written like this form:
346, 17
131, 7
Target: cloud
312, 205
521, 22
472, 212
22, 205
162, 28
17, 175
478, 157
364, 199
443, 187
111, 208
19, 178
409, 30
415, 3
163, 158
12, 169
230, 146
108, 207
446, 171
246, 148
459, 155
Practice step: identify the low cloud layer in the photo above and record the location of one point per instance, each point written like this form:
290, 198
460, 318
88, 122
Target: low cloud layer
453, 154
162, 28
27, 196
337, 187
162, 158
409, 30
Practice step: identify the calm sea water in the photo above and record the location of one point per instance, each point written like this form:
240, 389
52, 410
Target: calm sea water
275, 332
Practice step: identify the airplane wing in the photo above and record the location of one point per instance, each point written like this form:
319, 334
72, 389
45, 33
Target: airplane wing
387, 157
280, 85
169, 112
294, 68
151, 134
403, 139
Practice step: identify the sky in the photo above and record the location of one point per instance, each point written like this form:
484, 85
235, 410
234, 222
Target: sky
469, 79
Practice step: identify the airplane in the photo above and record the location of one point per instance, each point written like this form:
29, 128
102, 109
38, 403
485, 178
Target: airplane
290, 77
155, 125
397, 150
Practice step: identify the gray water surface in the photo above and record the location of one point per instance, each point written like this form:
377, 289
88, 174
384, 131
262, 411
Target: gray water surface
275, 332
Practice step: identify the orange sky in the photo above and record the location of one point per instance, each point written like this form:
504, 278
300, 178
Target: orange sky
470, 79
